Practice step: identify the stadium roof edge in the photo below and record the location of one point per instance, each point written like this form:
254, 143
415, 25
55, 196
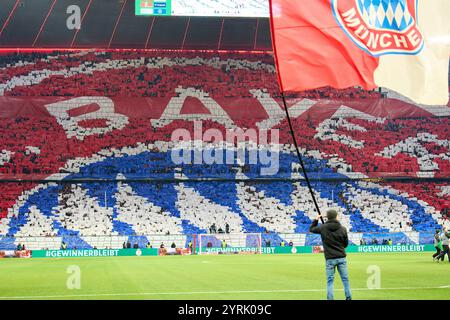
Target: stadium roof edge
8, 50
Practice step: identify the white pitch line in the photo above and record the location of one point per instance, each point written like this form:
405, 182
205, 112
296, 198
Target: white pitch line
209, 292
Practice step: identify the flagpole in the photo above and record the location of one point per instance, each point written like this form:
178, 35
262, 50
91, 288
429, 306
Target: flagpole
300, 157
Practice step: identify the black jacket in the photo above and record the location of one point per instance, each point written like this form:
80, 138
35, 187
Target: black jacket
334, 238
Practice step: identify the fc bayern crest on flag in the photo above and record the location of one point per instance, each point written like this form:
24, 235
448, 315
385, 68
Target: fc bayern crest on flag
380, 27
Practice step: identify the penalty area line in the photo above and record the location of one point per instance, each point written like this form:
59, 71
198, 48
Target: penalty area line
87, 295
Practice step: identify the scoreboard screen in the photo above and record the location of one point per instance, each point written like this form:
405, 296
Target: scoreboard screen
203, 8
153, 7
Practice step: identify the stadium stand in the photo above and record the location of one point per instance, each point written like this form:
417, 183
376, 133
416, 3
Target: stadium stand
86, 154
146, 74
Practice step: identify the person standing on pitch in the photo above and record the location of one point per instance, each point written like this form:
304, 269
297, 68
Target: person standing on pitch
437, 245
335, 240
445, 245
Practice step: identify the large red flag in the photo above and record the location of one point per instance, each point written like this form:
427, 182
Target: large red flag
367, 43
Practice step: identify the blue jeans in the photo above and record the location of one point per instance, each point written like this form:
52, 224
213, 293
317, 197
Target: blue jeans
341, 264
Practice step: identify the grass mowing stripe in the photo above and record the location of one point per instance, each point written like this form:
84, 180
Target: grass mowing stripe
402, 276
212, 292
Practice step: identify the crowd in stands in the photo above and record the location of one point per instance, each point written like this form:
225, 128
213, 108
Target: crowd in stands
147, 74
38, 147
24, 149
97, 209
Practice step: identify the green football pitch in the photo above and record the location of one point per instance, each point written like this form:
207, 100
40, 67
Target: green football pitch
403, 276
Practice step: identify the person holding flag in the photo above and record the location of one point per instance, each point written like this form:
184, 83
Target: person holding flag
335, 240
